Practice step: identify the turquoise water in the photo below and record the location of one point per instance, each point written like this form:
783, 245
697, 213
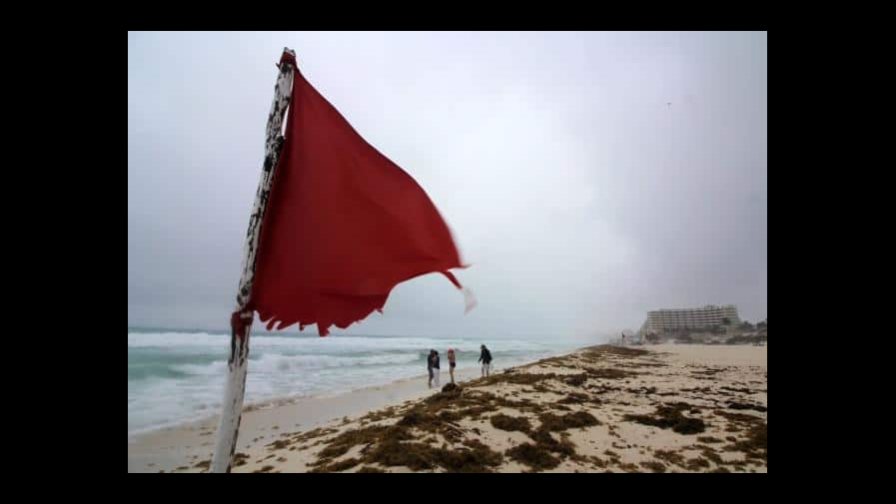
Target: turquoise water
178, 376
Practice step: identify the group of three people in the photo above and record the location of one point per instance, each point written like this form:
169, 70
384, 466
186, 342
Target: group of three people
432, 364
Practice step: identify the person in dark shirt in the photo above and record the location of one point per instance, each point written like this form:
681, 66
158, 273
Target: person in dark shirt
485, 357
429, 367
435, 367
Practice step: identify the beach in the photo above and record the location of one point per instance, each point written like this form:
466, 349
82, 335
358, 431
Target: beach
662, 408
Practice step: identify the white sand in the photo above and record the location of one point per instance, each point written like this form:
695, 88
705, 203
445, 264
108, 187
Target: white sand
184, 445
705, 376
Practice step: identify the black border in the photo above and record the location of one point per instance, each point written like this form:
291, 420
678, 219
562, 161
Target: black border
88, 188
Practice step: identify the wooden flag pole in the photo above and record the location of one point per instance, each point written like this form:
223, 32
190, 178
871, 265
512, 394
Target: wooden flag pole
241, 320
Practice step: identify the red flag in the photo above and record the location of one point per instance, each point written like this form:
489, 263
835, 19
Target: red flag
343, 224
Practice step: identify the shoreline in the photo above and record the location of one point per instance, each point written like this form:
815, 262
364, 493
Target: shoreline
273, 402
168, 447
268, 426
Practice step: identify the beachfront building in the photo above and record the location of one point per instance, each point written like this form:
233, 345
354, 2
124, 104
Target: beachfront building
671, 320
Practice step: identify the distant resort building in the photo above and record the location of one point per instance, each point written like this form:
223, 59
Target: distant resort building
672, 320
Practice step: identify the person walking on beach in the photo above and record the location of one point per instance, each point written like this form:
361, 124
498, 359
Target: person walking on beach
452, 362
429, 366
485, 357
435, 367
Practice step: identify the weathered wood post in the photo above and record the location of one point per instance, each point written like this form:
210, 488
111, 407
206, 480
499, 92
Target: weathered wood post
241, 320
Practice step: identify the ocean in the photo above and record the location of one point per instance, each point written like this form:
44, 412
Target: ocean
176, 377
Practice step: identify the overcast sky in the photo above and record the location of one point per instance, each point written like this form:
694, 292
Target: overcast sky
588, 177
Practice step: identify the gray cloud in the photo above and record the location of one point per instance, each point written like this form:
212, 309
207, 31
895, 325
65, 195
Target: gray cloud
580, 196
